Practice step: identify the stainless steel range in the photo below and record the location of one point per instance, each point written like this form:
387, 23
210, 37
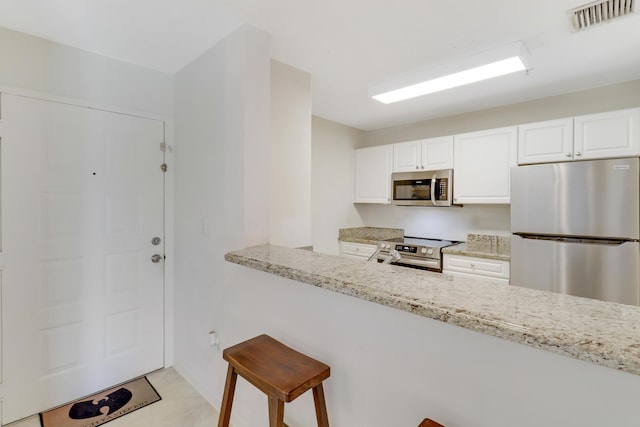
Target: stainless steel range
413, 252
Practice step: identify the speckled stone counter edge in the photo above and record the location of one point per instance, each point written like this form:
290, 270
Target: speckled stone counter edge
603, 333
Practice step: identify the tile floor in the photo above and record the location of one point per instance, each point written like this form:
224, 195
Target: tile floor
181, 406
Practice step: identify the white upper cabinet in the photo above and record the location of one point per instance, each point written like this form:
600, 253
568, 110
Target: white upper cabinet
545, 142
426, 154
406, 156
437, 153
593, 136
606, 135
373, 174
482, 166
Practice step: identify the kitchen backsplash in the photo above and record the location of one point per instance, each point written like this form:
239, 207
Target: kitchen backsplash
370, 233
452, 223
489, 241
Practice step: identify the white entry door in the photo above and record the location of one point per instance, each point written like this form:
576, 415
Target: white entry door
82, 301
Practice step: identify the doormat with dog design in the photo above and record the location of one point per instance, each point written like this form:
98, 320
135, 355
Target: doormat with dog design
102, 407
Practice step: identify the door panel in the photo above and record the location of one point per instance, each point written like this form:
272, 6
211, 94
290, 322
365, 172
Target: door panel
600, 271
83, 304
592, 198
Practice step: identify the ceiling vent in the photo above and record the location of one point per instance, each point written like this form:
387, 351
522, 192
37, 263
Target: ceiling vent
600, 12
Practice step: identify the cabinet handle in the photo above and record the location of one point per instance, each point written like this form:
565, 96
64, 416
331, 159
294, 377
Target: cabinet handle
417, 167
578, 154
567, 154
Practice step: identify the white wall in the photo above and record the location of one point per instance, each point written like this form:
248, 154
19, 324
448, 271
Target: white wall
222, 132
390, 368
40, 65
614, 97
290, 156
332, 177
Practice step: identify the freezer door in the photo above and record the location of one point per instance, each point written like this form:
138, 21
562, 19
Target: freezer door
591, 198
608, 272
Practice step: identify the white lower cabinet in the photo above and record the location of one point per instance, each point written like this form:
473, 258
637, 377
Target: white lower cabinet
493, 270
357, 250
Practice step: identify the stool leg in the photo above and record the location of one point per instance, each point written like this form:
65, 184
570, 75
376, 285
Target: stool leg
276, 412
321, 407
227, 398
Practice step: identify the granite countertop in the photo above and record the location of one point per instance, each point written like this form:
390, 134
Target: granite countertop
604, 333
483, 246
369, 235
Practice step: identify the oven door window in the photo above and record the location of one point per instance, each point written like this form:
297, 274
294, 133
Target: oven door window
420, 189
412, 190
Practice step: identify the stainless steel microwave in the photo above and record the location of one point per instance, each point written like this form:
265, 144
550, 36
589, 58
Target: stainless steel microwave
423, 188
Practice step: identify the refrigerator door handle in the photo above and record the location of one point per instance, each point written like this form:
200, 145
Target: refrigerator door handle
576, 239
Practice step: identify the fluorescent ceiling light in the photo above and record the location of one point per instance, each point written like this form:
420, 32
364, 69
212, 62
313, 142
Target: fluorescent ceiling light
492, 67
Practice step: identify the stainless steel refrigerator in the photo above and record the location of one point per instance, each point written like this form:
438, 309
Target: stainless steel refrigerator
576, 228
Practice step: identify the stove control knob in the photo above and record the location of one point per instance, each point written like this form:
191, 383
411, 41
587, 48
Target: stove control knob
388, 246
423, 250
430, 251
381, 245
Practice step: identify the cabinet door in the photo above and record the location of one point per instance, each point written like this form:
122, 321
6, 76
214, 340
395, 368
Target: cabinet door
437, 153
357, 250
373, 174
482, 163
406, 156
606, 135
496, 271
545, 142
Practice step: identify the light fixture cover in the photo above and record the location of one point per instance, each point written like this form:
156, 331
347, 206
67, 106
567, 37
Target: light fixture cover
483, 66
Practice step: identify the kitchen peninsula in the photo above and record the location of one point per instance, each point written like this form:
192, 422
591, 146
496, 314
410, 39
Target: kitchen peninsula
591, 330
459, 350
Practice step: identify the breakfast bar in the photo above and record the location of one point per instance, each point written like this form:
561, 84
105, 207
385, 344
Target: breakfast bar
604, 333
406, 344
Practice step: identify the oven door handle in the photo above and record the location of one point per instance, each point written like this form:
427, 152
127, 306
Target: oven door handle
433, 189
432, 263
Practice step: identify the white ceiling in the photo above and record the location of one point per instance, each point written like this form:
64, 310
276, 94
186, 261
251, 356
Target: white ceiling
350, 45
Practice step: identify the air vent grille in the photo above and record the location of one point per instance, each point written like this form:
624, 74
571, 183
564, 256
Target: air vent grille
600, 12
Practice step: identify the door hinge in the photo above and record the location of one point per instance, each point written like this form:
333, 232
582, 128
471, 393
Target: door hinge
163, 146
164, 167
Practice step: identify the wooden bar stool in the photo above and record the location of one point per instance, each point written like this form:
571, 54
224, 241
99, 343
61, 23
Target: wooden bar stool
280, 372
429, 423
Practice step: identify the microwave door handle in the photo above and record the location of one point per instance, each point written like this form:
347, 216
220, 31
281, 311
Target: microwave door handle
433, 190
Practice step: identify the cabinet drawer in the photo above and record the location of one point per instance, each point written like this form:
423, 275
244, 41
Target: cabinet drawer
357, 249
476, 266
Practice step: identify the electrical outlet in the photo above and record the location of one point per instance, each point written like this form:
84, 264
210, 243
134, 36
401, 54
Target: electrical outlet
213, 339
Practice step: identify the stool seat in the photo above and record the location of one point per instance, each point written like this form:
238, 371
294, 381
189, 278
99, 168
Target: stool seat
280, 372
274, 368
429, 423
